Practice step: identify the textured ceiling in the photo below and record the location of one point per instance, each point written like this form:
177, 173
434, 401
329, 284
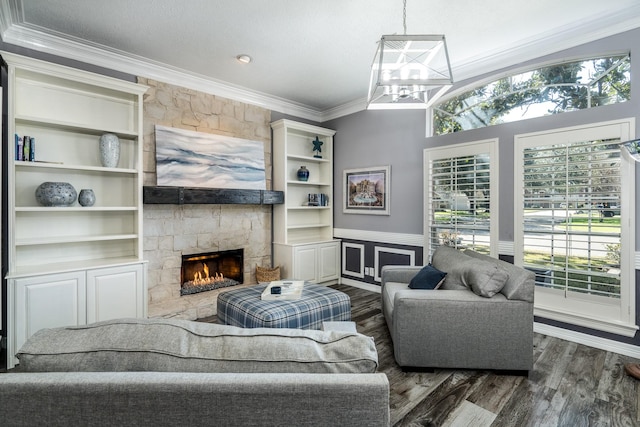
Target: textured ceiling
315, 54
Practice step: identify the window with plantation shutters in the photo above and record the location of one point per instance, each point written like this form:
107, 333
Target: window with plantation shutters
572, 216
461, 194
572, 211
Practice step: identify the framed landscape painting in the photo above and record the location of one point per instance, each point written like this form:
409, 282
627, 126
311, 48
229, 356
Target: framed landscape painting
186, 158
366, 190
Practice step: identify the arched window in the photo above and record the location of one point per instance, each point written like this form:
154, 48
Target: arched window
548, 90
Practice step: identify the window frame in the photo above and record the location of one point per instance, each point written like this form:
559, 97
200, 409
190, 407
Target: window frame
487, 146
617, 315
512, 73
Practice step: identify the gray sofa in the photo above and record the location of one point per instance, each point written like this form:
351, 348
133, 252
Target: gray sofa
480, 318
176, 372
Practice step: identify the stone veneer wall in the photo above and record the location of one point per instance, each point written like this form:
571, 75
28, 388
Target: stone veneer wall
173, 230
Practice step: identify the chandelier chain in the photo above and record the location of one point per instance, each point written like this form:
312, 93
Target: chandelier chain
404, 16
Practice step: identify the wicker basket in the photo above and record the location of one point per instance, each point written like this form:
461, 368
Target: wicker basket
265, 274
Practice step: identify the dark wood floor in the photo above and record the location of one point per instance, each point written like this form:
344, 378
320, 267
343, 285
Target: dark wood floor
570, 384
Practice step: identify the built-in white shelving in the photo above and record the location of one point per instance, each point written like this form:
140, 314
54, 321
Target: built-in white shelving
304, 246
72, 265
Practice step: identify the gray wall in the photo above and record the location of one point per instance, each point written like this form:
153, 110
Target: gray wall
379, 138
397, 138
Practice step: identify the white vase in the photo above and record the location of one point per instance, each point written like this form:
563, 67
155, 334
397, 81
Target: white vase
109, 150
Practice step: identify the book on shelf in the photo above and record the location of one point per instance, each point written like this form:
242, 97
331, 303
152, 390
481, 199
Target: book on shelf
25, 148
32, 149
317, 199
283, 290
19, 147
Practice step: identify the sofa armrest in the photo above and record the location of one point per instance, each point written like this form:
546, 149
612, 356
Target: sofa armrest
169, 399
398, 273
438, 328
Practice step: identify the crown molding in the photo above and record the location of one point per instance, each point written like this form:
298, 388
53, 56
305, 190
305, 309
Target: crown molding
550, 42
345, 109
15, 31
527, 50
10, 12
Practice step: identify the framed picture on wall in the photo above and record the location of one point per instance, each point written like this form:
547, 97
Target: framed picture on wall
186, 158
366, 190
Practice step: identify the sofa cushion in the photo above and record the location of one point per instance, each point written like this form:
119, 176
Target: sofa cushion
521, 282
428, 277
453, 262
484, 278
389, 292
185, 346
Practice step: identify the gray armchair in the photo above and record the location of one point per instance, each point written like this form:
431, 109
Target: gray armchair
453, 327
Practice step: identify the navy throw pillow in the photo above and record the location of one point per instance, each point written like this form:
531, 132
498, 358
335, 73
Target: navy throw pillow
428, 277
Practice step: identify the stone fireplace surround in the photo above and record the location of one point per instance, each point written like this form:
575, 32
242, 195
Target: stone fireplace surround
171, 231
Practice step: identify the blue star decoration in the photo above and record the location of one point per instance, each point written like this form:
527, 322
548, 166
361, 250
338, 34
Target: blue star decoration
317, 144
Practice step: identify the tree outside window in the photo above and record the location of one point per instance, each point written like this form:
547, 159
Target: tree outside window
544, 91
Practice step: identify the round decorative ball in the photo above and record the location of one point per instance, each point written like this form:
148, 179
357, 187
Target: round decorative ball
303, 173
109, 150
86, 197
56, 194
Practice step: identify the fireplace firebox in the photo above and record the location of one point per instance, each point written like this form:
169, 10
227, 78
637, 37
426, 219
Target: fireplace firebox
211, 270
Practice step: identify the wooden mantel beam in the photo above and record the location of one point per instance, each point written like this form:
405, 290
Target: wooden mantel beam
188, 195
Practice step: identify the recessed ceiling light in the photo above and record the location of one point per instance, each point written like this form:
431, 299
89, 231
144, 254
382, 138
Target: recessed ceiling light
244, 58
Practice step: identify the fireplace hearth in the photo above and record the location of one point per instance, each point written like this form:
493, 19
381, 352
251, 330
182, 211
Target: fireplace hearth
212, 270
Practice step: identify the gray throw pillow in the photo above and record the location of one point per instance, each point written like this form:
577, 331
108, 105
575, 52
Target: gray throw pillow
484, 278
520, 285
454, 263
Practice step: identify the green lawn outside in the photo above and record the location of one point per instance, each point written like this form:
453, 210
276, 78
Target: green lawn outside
577, 274
582, 222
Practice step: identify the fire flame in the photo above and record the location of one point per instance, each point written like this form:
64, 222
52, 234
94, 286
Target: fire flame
203, 278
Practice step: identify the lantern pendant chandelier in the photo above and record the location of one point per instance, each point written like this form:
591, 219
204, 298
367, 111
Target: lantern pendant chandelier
409, 71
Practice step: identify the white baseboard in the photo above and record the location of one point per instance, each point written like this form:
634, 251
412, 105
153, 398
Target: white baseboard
588, 340
366, 286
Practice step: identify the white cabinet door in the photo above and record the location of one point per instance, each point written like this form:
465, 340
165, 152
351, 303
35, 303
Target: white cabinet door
317, 263
47, 302
115, 293
305, 263
328, 262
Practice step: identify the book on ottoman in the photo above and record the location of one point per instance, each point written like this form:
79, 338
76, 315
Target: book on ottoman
283, 290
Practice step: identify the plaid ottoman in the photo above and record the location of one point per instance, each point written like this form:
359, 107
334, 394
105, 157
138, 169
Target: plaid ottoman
244, 308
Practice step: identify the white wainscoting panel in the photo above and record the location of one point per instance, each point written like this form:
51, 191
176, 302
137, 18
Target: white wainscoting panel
379, 249
358, 246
